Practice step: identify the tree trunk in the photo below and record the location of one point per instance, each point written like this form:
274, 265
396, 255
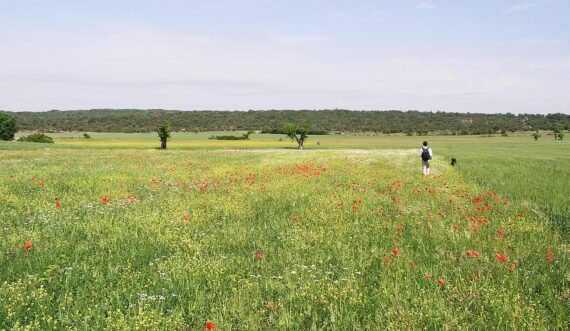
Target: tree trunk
163, 143
301, 141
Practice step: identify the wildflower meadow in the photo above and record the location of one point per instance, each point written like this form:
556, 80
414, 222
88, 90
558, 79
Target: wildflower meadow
344, 235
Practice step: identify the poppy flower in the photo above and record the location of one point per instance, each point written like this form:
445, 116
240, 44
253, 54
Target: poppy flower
441, 281
387, 260
210, 326
512, 266
57, 204
549, 251
395, 251
400, 229
501, 257
294, 218
258, 256
395, 199
28, 245
550, 259
186, 217
105, 200
427, 276
501, 233
469, 252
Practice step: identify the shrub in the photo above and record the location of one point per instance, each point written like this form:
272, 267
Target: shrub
37, 138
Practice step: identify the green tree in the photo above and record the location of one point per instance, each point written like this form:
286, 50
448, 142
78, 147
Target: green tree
8, 127
536, 135
296, 134
163, 130
561, 135
557, 129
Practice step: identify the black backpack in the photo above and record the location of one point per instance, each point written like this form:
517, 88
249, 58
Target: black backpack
425, 154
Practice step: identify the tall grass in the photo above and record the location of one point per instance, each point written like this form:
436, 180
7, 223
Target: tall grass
268, 239
534, 174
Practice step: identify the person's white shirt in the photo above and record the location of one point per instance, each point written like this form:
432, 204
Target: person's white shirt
422, 149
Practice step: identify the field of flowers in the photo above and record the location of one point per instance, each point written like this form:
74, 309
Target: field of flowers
96, 238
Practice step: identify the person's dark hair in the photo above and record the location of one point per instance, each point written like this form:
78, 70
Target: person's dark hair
425, 143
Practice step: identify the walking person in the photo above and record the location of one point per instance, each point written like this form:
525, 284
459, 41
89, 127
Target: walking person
426, 155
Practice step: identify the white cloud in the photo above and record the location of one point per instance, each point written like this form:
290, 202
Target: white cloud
303, 39
520, 7
425, 6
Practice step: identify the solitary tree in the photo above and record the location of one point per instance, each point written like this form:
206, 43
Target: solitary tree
557, 129
297, 134
163, 130
8, 127
536, 135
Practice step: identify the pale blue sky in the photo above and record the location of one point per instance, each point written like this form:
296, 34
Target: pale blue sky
457, 56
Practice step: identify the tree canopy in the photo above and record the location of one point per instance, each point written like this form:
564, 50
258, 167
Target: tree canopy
271, 121
8, 126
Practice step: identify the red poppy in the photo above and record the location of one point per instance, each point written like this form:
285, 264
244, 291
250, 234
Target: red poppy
512, 266
501, 257
395, 251
186, 217
414, 266
57, 204
28, 245
450, 200
395, 199
294, 218
387, 260
105, 200
400, 229
550, 259
469, 252
210, 326
441, 281
258, 256
501, 233
427, 276
549, 251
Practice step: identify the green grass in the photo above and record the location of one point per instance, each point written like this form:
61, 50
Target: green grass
175, 246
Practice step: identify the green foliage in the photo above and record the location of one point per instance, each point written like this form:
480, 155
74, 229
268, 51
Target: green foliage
37, 138
163, 130
8, 126
86, 135
244, 136
536, 135
296, 134
561, 135
557, 129
270, 121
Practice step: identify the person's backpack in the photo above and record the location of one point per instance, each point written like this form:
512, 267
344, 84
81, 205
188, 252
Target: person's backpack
425, 154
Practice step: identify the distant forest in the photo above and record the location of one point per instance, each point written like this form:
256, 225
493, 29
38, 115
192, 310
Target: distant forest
271, 121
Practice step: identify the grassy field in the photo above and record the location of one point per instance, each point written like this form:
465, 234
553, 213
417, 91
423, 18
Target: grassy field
110, 233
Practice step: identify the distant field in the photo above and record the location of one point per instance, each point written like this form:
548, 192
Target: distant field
256, 235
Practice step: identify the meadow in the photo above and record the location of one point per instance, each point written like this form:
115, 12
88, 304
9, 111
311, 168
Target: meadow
111, 233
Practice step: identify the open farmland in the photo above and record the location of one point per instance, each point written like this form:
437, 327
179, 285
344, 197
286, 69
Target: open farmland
111, 233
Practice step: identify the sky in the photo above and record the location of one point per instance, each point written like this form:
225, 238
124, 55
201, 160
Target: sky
483, 56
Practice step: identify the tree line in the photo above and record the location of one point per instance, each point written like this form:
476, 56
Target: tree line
271, 121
